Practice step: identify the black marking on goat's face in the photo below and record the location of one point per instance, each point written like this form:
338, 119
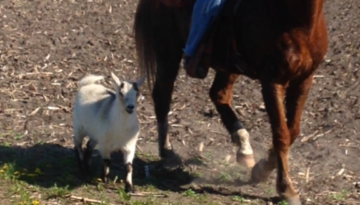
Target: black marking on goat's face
120, 89
136, 88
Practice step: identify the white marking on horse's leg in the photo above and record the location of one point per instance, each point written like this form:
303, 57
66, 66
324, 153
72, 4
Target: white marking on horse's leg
245, 154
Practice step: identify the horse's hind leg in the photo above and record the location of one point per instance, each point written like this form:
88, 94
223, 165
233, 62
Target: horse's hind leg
167, 71
221, 95
273, 95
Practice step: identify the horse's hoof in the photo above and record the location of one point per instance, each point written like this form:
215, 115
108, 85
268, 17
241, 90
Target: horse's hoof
245, 160
259, 173
244, 155
166, 151
294, 200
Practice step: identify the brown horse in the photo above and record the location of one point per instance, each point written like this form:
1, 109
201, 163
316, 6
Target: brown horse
282, 43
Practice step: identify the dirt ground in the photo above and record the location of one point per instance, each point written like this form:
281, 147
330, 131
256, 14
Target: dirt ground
46, 46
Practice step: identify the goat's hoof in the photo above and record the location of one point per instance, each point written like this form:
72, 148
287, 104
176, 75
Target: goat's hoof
295, 200
259, 173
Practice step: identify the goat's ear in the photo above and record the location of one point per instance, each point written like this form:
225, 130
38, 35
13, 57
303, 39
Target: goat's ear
115, 79
140, 81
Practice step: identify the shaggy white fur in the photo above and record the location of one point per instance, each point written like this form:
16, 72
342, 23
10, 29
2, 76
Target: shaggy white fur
109, 119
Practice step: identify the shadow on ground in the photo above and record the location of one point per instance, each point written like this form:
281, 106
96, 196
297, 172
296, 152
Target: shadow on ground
45, 165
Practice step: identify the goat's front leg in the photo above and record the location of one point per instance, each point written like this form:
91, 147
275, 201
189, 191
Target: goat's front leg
106, 171
129, 153
273, 95
221, 95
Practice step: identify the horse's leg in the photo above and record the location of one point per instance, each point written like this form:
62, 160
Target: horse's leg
221, 95
296, 95
167, 70
273, 95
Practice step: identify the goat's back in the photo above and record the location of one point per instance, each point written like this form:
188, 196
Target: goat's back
92, 105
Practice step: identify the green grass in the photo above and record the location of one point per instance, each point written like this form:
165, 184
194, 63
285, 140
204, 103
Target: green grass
283, 203
341, 196
43, 173
189, 193
238, 199
56, 192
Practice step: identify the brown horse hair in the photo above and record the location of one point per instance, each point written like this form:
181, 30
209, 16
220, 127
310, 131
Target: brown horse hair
282, 43
144, 44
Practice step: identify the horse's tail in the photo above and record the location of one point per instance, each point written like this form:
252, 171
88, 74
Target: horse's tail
143, 37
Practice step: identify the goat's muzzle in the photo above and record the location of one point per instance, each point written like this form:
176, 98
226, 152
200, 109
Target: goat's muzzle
130, 109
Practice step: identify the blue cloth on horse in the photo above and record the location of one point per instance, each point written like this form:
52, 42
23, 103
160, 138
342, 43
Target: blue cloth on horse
204, 12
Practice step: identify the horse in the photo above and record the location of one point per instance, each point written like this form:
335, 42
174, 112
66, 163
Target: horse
281, 42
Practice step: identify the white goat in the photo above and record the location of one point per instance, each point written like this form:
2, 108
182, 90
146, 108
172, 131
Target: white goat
109, 119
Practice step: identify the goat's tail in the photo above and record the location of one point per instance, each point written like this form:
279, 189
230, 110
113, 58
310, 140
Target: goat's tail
90, 79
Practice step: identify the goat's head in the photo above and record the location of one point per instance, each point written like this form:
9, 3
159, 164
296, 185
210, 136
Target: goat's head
127, 92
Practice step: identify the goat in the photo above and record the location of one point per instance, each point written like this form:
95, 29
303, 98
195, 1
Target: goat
109, 119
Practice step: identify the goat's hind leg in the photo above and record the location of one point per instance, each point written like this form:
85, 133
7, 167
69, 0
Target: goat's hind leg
221, 95
78, 140
105, 155
90, 146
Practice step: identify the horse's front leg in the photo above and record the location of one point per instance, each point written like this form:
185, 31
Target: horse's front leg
221, 95
273, 95
296, 95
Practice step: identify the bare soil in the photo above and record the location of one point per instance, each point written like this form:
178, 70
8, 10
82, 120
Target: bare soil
46, 46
